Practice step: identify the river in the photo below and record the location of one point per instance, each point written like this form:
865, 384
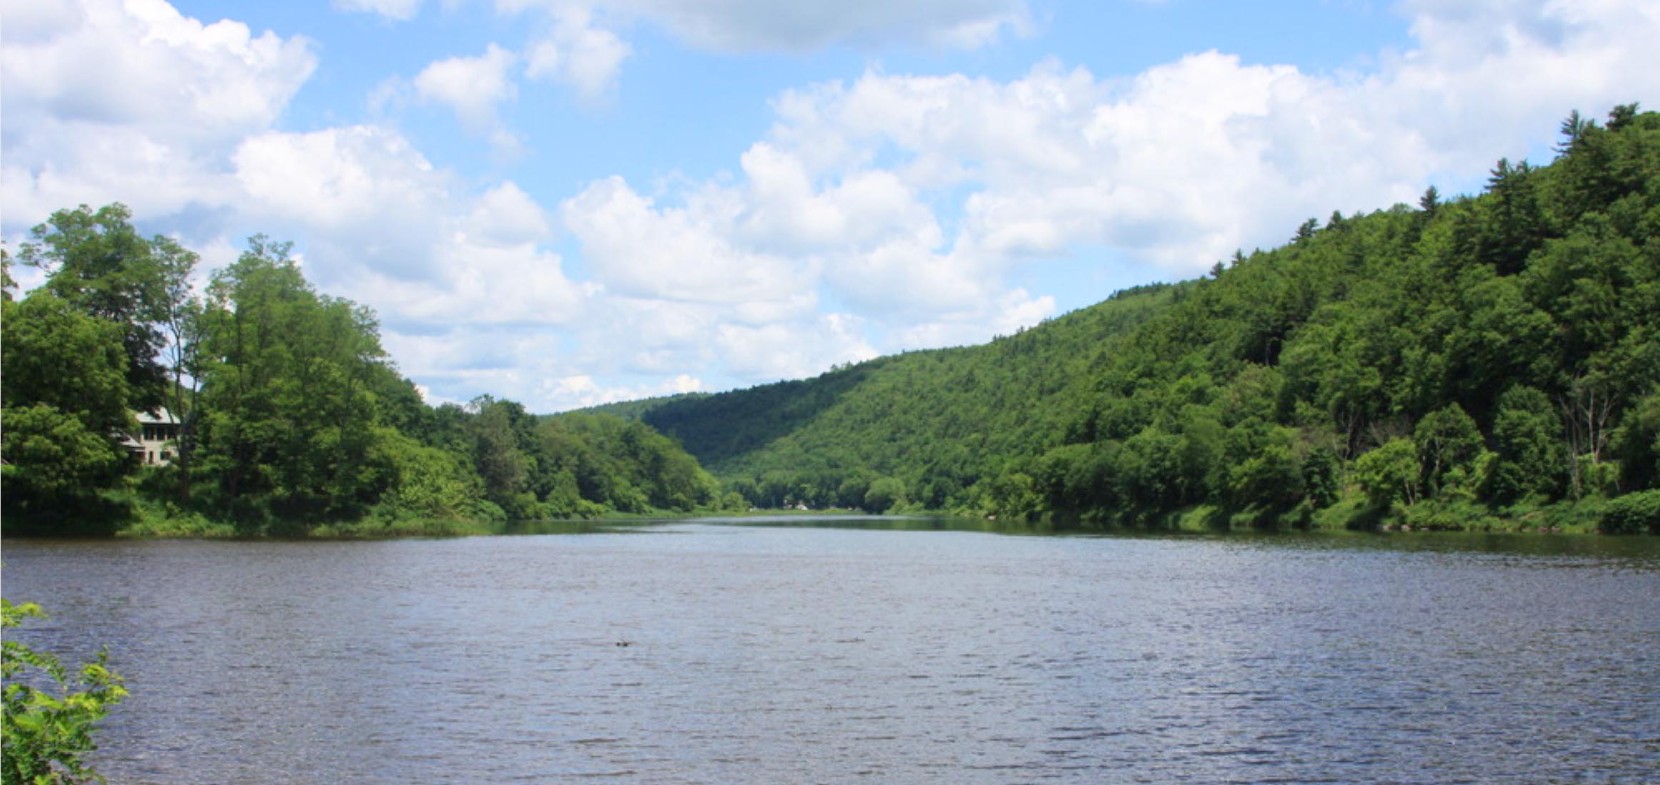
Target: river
778, 652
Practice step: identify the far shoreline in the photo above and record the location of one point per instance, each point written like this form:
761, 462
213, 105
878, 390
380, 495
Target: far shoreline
1548, 522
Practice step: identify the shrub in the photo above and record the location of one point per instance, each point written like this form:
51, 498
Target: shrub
1632, 513
46, 735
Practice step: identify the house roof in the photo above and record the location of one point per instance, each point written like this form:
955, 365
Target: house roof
160, 417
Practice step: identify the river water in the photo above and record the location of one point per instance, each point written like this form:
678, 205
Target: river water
773, 652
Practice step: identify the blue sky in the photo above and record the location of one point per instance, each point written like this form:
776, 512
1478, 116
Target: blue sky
566, 202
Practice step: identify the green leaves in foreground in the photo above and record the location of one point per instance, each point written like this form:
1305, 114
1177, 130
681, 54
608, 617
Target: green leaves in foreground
46, 735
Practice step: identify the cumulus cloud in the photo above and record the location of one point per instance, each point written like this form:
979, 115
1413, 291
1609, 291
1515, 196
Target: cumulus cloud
1184, 162
638, 249
132, 101
398, 234
473, 88
576, 52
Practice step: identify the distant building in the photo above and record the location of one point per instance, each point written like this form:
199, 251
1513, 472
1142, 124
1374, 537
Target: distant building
153, 443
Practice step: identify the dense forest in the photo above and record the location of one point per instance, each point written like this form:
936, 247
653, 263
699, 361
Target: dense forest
291, 418
1487, 361
1476, 362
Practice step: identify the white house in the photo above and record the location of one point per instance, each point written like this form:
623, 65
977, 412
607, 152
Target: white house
152, 444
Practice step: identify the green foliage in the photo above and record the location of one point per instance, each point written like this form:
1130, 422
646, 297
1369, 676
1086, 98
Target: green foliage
938, 422
1632, 513
99, 264
48, 732
1322, 477
1449, 445
1638, 444
1527, 437
51, 456
66, 398
59, 357
884, 493
425, 482
289, 410
1389, 474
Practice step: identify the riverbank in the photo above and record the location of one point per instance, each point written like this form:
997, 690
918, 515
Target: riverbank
155, 524
1631, 514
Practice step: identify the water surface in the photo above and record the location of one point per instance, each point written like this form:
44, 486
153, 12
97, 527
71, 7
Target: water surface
896, 652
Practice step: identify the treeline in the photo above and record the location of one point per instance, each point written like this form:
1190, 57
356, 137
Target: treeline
1482, 361
291, 418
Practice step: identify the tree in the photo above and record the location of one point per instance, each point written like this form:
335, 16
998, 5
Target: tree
1322, 474
426, 482
52, 457
59, 357
1448, 442
179, 315
98, 263
1514, 226
1622, 116
1527, 441
884, 493
288, 401
1638, 445
1573, 129
65, 396
1306, 231
1430, 201
1389, 473
504, 468
1587, 411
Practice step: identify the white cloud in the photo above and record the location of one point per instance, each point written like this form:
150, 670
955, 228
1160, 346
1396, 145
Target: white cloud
577, 53
913, 200
681, 254
763, 25
400, 10
348, 176
571, 392
473, 284
127, 63
1004, 316
109, 101
1186, 161
507, 215
399, 236
790, 350
473, 88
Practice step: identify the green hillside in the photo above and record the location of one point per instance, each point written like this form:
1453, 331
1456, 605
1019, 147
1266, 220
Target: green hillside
935, 420
1472, 362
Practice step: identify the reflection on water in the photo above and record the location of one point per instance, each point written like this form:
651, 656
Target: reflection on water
914, 650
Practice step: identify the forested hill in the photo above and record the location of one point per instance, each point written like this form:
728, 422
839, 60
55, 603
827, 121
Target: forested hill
1460, 362
929, 418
